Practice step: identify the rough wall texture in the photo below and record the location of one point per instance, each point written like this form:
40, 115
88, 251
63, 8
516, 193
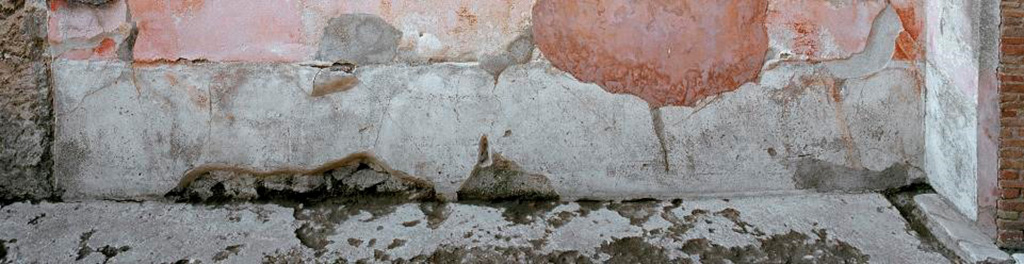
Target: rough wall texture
954, 82
144, 92
25, 118
1011, 145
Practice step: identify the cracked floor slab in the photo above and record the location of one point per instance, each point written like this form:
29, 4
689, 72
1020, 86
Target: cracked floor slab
819, 228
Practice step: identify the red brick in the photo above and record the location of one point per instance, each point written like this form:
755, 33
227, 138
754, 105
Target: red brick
1013, 41
1011, 164
1012, 143
1014, 205
1010, 224
1011, 153
1011, 235
1013, 49
1008, 175
1011, 184
1011, 78
1008, 215
1016, 88
1010, 193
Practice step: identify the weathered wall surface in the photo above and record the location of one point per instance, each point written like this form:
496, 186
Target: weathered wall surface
146, 90
25, 118
951, 78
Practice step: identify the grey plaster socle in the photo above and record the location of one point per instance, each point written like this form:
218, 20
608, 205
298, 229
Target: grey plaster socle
133, 132
820, 228
957, 232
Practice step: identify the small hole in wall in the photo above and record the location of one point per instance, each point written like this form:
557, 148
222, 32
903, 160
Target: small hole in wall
508, 133
771, 151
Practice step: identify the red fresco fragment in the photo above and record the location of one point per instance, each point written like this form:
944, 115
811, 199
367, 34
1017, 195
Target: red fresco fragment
667, 52
908, 45
253, 30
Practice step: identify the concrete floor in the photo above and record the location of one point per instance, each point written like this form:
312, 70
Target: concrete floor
813, 228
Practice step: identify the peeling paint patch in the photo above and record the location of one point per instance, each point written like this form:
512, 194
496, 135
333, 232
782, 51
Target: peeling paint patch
821, 30
256, 30
359, 38
665, 52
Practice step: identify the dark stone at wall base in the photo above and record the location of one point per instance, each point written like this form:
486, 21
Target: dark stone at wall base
26, 118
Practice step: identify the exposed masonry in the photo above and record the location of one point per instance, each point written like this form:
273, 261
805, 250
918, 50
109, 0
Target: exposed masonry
26, 117
1010, 222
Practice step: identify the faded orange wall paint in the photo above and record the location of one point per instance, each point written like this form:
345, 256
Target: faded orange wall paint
908, 45
820, 30
666, 52
252, 30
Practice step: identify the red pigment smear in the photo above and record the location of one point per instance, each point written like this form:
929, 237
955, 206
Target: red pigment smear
105, 48
57, 4
667, 52
907, 45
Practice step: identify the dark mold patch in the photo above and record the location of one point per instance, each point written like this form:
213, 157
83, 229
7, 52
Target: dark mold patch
637, 211
83, 245
3, 247
634, 250
111, 252
35, 220
435, 212
322, 196
291, 256
397, 243
742, 227
108, 251
93, 2
495, 178
497, 255
587, 206
792, 247
227, 252
825, 177
359, 38
560, 219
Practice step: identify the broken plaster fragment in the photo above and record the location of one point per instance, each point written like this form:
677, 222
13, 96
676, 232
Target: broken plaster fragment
331, 81
357, 175
495, 178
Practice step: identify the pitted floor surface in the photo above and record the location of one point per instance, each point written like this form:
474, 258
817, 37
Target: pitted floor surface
814, 228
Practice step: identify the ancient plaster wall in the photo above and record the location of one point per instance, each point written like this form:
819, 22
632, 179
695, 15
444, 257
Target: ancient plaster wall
951, 78
829, 100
